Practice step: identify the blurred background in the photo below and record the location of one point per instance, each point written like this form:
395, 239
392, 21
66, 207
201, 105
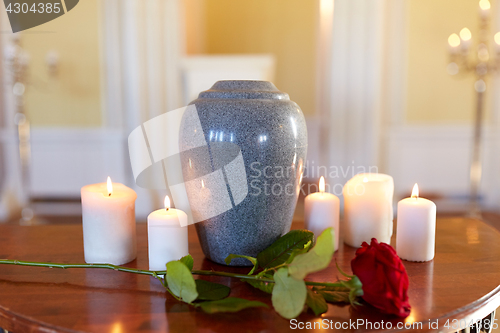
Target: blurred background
372, 78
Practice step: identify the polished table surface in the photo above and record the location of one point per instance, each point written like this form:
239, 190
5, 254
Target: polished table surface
461, 282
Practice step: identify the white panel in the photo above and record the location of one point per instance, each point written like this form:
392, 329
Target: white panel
438, 159
64, 160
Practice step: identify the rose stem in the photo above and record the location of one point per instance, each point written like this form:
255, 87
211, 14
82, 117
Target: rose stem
154, 273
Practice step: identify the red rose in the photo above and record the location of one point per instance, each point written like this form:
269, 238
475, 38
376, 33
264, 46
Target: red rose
384, 278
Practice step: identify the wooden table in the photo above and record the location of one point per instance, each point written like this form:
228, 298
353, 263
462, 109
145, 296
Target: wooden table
461, 282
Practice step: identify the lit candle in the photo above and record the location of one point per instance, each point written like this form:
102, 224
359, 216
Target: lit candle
322, 211
167, 239
465, 38
108, 216
454, 43
368, 208
484, 8
416, 228
497, 41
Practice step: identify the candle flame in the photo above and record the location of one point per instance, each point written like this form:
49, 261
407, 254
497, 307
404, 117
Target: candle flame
414, 192
465, 34
322, 184
202, 184
484, 4
110, 187
454, 40
167, 203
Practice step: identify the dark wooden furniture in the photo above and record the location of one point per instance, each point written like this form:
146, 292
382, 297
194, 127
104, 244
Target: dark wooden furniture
462, 282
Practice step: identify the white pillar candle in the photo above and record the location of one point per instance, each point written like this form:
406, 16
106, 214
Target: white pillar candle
368, 208
167, 239
108, 215
416, 233
322, 211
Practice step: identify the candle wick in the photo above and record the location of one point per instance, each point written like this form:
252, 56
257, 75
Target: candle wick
167, 209
109, 194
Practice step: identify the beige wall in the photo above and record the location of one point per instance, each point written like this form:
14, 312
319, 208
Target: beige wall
285, 28
433, 96
73, 97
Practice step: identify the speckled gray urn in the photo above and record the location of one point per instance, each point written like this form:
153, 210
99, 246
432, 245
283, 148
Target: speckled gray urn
247, 176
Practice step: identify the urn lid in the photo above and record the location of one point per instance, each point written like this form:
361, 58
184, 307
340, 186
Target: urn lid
244, 89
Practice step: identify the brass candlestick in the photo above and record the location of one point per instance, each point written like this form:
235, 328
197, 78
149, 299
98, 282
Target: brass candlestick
481, 65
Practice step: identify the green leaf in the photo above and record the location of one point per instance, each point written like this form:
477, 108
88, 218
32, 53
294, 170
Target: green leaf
230, 304
315, 260
188, 261
180, 281
296, 252
278, 252
335, 296
209, 291
289, 294
253, 260
266, 287
316, 302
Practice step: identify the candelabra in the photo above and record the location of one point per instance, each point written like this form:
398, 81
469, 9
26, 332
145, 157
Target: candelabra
481, 65
17, 63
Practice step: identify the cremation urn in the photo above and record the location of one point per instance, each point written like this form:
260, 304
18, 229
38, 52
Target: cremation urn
243, 175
